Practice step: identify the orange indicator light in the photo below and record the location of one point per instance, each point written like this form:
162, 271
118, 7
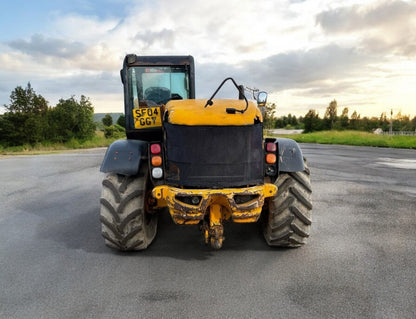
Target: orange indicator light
156, 160
270, 158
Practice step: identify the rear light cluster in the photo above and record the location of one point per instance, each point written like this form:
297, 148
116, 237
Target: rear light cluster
270, 158
156, 161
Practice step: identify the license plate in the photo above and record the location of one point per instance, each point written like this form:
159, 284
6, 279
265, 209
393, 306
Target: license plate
147, 117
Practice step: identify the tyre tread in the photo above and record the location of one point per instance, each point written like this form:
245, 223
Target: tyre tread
289, 212
122, 215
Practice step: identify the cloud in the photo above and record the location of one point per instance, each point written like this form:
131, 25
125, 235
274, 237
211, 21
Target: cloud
105, 87
304, 68
38, 45
165, 37
84, 28
103, 82
383, 27
376, 15
51, 57
290, 48
322, 73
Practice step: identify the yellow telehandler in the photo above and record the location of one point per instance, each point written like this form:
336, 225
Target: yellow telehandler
205, 160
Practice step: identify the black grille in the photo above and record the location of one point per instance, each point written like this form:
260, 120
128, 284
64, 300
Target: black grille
214, 156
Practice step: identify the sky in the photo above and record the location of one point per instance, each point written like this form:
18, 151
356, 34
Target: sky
304, 53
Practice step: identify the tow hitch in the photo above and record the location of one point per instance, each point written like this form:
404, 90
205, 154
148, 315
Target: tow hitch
214, 231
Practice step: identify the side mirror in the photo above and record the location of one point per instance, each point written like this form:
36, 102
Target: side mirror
121, 76
261, 98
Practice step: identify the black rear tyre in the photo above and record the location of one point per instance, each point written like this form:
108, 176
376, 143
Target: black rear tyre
124, 221
288, 218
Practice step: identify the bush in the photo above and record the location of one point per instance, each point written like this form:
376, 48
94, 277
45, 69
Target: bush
29, 120
72, 119
107, 120
114, 131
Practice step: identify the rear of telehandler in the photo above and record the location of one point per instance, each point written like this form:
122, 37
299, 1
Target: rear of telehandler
205, 160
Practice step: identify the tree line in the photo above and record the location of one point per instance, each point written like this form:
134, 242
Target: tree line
332, 120
29, 119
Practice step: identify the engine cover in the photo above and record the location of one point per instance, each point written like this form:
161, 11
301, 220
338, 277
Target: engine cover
206, 156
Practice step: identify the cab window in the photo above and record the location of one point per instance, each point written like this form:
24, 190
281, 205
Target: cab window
151, 86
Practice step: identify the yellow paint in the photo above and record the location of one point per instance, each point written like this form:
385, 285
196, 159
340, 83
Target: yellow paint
146, 117
215, 216
183, 213
193, 112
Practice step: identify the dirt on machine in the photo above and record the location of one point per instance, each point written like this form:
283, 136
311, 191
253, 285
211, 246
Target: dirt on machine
205, 161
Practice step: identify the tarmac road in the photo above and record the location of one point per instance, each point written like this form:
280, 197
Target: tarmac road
359, 263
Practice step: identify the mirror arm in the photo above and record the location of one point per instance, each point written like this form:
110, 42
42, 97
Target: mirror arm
241, 93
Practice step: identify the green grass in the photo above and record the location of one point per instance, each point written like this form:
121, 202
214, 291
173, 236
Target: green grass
356, 138
43, 148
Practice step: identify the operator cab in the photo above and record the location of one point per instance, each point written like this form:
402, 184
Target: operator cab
149, 83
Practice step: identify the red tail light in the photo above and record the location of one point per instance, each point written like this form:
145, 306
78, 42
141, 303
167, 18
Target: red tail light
270, 147
155, 149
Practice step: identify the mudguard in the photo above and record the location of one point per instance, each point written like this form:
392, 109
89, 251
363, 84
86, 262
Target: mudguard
290, 155
124, 157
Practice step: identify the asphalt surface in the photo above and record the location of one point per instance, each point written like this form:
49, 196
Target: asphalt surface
359, 262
